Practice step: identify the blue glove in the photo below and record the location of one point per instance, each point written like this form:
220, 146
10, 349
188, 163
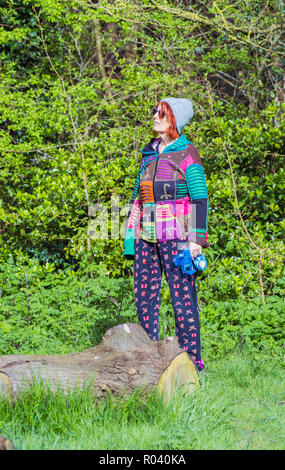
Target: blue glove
184, 260
200, 262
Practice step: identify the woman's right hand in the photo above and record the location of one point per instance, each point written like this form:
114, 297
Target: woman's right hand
195, 249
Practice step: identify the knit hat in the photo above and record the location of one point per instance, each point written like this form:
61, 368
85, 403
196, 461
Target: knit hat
182, 109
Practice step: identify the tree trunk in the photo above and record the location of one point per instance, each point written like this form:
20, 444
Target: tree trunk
125, 359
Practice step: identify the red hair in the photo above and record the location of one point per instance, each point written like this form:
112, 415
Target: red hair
171, 131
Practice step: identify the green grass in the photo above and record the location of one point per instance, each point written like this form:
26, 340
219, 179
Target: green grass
238, 406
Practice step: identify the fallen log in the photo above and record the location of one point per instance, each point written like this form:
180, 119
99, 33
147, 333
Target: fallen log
125, 359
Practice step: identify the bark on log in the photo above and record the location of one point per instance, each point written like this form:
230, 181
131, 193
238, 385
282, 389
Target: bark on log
125, 359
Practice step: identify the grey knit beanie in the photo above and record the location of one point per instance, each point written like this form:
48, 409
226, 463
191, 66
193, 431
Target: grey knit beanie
182, 109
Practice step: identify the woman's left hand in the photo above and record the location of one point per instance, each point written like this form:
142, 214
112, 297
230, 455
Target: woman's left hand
195, 249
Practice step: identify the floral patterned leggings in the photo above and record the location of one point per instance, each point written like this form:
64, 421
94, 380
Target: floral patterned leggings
151, 259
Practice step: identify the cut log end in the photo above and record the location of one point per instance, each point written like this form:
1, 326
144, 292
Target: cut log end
6, 389
180, 372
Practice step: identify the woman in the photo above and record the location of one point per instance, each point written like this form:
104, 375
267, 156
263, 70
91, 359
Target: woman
168, 212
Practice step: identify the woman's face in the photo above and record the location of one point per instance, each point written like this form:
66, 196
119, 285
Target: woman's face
160, 124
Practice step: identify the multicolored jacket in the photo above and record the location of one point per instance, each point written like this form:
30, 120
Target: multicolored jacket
170, 198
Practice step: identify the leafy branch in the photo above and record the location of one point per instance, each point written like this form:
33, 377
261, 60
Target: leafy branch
261, 251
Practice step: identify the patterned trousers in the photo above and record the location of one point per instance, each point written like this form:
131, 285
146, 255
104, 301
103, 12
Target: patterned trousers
151, 260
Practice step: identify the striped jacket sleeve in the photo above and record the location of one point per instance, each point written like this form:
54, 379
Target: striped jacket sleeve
134, 211
197, 187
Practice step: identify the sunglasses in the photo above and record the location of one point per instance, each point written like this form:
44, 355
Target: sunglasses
161, 113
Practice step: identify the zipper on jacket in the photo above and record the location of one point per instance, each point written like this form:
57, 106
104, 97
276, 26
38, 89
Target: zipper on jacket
156, 168
175, 184
154, 192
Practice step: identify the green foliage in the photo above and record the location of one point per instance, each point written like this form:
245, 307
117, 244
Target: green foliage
48, 312
226, 325
77, 84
